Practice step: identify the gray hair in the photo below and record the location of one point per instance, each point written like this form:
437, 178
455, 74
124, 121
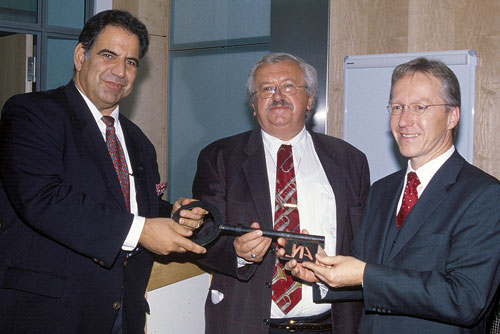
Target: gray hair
309, 73
450, 88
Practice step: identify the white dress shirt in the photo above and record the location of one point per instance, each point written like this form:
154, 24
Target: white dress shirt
138, 223
316, 205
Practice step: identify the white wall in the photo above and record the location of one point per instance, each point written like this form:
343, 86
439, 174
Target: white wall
179, 307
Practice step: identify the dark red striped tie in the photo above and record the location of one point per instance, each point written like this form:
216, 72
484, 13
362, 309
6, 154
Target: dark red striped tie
286, 291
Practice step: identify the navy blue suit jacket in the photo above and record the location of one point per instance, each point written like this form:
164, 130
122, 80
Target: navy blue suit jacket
232, 175
63, 219
440, 272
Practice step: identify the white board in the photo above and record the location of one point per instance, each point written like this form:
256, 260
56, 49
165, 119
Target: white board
367, 84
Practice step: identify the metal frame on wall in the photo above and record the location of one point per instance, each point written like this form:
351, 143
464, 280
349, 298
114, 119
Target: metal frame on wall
42, 31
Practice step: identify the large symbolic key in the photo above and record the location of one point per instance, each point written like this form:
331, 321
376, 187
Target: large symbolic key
301, 247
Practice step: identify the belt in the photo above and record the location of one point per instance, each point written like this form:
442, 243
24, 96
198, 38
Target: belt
321, 323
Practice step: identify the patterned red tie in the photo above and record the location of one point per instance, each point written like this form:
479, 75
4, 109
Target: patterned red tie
286, 291
116, 152
410, 197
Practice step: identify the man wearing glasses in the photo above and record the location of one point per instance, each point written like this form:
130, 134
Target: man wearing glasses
426, 256
284, 177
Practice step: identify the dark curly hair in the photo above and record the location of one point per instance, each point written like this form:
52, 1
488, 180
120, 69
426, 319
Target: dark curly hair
118, 18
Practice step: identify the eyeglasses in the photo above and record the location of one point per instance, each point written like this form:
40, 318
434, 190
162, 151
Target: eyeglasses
396, 109
268, 91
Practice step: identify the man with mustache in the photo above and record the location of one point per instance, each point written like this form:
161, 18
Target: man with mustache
242, 176
80, 196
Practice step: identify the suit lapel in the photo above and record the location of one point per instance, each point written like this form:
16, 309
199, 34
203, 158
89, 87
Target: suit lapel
435, 192
387, 213
254, 168
93, 140
138, 167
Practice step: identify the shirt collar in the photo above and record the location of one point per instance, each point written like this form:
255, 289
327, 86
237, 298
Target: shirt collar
273, 144
427, 171
95, 112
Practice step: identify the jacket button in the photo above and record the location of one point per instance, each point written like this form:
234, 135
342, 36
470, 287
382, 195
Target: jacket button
266, 321
125, 263
116, 306
269, 284
101, 263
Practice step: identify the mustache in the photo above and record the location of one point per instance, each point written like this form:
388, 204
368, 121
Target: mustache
278, 104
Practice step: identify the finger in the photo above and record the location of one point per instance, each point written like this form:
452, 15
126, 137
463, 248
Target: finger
194, 213
191, 246
291, 265
184, 200
262, 247
250, 236
280, 252
176, 205
192, 224
329, 260
281, 242
321, 251
311, 266
180, 229
304, 231
246, 243
324, 274
255, 225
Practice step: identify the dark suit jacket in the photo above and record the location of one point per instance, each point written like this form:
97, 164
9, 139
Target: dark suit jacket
440, 273
63, 219
232, 175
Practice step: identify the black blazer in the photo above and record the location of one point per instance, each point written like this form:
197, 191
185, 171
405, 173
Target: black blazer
232, 175
63, 218
440, 272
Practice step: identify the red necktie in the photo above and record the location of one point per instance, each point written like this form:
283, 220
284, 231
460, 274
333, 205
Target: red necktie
410, 197
286, 291
116, 152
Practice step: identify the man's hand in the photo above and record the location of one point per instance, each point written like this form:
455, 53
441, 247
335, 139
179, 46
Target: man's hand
191, 219
296, 268
164, 236
252, 246
336, 271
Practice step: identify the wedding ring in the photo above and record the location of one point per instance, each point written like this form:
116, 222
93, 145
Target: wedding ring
198, 226
252, 255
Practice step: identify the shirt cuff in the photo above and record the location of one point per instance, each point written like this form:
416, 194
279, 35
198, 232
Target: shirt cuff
242, 262
323, 290
134, 234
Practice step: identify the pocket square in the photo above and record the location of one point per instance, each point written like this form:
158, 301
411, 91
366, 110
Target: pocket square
161, 187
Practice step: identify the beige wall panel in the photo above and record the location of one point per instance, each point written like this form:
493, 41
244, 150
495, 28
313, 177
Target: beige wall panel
431, 25
478, 28
352, 14
14, 52
146, 104
387, 26
153, 13
361, 27
165, 274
